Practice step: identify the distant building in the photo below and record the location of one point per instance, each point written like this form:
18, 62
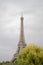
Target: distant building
21, 43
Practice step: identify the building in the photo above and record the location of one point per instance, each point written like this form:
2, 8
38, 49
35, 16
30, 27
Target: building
21, 43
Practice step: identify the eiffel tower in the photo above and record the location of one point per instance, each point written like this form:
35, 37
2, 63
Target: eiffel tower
21, 43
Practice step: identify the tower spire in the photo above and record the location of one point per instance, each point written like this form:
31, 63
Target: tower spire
22, 31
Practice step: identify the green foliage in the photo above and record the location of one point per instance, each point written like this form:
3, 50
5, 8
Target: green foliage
31, 55
8, 63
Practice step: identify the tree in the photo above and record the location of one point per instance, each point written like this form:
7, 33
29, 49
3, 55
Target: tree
31, 55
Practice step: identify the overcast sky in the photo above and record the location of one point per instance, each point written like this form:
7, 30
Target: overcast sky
10, 13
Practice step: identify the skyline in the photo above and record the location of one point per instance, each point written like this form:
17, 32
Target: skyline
10, 13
